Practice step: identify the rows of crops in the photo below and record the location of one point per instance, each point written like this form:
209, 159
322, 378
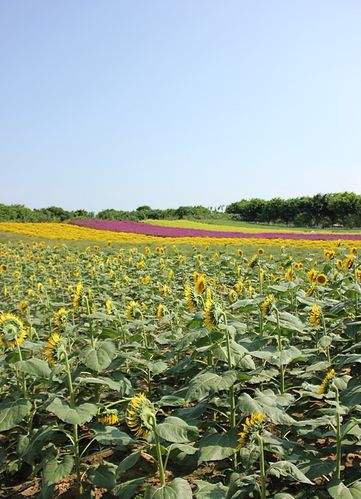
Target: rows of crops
162, 372
172, 230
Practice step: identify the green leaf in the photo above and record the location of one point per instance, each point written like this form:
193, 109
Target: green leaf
177, 489
112, 436
34, 367
12, 412
217, 446
128, 463
103, 476
126, 490
80, 414
352, 395
176, 430
113, 385
54, 470
205, 383
288, 321
99, 357
206, 490
289, 470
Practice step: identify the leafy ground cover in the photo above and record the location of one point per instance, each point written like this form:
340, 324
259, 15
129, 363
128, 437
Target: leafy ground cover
179, 372
235, 225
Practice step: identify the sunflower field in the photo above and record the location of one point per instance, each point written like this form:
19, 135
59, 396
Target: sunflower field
172, 372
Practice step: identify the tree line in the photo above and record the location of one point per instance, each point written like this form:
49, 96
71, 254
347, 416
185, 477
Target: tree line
321, 210
21, 213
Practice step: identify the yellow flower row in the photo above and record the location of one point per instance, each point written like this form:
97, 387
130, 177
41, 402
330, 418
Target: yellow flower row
59, 231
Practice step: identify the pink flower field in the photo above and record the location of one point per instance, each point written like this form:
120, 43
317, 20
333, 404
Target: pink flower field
157, 230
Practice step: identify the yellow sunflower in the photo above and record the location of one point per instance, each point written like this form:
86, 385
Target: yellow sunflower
140, 416
13, 331
253, 424
266, 304
314, 318
51, 347
109, 419
323, 388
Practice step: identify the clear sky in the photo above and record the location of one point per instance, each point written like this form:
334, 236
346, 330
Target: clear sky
119, 103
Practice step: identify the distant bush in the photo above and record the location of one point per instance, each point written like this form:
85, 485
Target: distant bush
321, 210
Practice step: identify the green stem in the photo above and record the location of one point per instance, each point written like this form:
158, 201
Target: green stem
76, 450
23, 379
280, 349
159, 456
262, 467
338, 438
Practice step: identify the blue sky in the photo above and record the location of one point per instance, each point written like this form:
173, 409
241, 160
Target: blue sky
122, 103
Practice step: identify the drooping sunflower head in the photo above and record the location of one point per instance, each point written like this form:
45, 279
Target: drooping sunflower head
109, 418
140, 416
23, 306
289, 275
239, 286
326, 382
200, 283
312, 275
348, 261
13, 331
108, 306
253, 424
210, 314
133, 310
60, 318
51, 348
252, 262
314, 318
189, 297
329, 254
78, 293
266, 304
232, 296
159, 311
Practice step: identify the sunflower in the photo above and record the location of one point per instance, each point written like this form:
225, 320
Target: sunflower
76, 299
209, 314
60, 317
51, 346
146, 280
314, 318
232, 296
133, 310
253, 424
253, 261
159, 311
358, 275
13, 331
108, 306
323, 388
239, 286
289, 275
321, 279
190, 298
329, 254
200, 283
23, 306
109, 419
266, 304
312, 275
140, 416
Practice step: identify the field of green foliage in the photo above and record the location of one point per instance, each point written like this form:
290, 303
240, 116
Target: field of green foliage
172, 373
